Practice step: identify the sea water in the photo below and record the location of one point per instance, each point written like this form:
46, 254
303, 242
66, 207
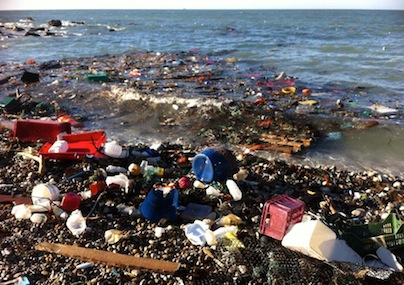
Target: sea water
333, 51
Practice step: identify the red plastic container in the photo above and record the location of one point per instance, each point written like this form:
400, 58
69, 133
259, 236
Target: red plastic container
278, 214
70, 202
80, 145
31, 130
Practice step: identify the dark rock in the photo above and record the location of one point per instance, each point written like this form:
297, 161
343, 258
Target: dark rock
32, 34
37, 29
78, 23
55, 23
50, 65
30, 77
18, 29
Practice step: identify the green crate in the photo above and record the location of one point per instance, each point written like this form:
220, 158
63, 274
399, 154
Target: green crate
99, 77
368, 238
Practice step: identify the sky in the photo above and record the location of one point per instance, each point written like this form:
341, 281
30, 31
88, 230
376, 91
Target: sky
205, 4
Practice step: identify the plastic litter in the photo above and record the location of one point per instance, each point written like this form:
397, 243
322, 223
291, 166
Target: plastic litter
195, 232
113, 236
234, 190
76, 223
21, 212
315, 239
44, 193
214, 164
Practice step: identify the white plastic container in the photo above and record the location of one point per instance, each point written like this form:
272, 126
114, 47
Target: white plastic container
234, 190
121, 179
113, 149
43, 194
59, 146
315, 239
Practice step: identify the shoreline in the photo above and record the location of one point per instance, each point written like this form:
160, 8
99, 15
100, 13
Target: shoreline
369, 193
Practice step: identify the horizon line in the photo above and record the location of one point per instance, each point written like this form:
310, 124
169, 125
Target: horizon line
207, 9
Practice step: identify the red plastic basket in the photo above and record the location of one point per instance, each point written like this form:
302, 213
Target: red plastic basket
80, 145
31, 130
278, 214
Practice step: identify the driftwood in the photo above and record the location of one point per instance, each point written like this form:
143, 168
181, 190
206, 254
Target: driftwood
284, 144
110, 258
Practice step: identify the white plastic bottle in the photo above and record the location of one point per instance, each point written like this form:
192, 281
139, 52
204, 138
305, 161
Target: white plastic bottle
113, 149
222, 231
234, 190
115, 169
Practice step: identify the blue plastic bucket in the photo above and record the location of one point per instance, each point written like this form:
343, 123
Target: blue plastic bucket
214, 164
157, 206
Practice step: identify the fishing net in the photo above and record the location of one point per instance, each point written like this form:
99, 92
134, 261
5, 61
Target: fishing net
253, 262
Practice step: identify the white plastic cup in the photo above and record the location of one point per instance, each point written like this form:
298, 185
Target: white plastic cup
234, 190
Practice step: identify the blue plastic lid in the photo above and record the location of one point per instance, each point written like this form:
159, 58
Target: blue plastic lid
203, 168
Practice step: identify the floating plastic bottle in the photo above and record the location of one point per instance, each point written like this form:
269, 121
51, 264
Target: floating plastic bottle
234, 190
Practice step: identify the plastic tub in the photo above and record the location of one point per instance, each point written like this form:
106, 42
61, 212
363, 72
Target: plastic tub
80, 145
214, 164
44, 130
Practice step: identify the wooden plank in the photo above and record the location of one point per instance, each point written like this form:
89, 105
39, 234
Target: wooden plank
110, 258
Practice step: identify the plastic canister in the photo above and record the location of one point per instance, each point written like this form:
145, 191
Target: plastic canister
43, 194
216, 163
113, 149
234, 190
70, 202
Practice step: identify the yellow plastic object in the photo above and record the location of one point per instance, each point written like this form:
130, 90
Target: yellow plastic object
308, 102
288, 90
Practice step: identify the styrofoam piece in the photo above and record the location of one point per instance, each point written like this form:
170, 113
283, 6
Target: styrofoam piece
315, 239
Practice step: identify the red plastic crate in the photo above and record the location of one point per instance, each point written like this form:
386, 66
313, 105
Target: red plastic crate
80, 145
278, 214
31, 130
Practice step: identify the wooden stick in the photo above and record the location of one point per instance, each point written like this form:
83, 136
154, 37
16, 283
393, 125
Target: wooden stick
110, 258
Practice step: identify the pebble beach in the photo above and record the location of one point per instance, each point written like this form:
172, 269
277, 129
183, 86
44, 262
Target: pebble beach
266, 171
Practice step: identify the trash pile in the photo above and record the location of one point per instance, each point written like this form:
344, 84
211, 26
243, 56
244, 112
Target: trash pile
77, 207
